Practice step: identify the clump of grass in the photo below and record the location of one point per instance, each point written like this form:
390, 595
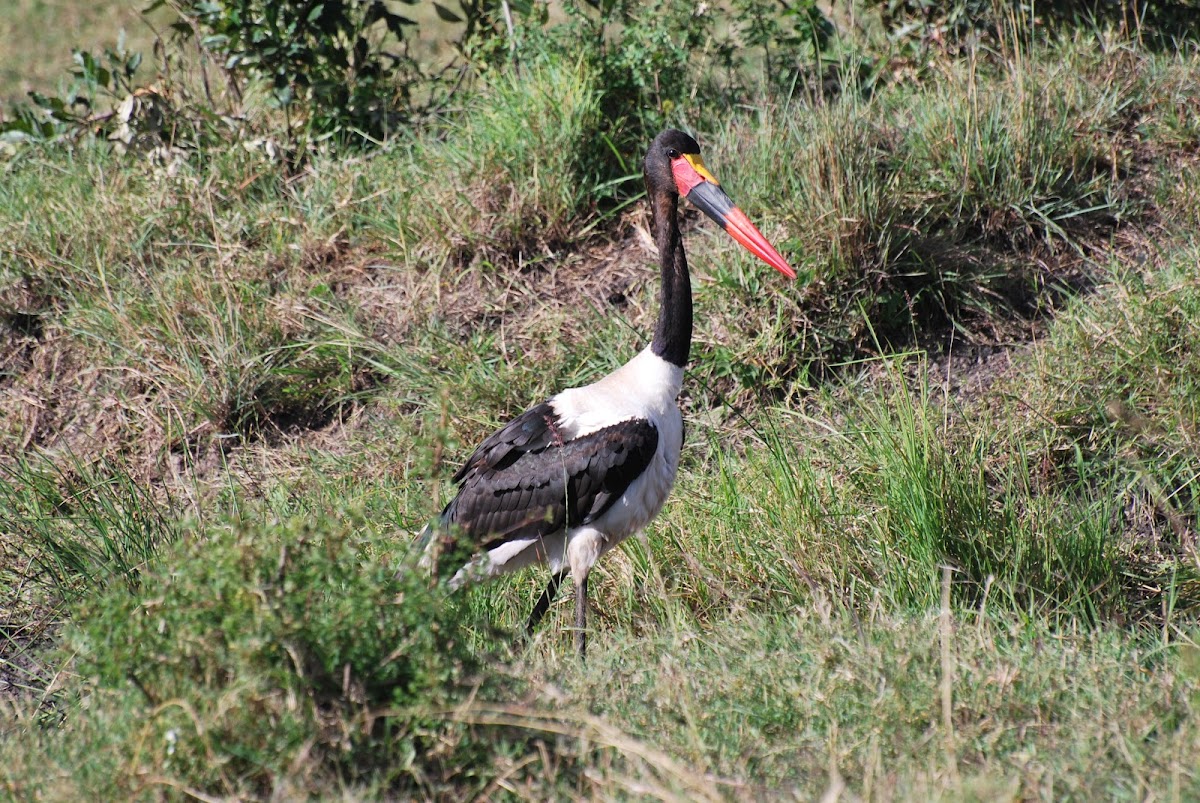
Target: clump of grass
934, 498
222, 354
1110, 404
817, 699
1025, 161
83, 527
168, 291
507, 178
929, 208
227, 357
266, 658
1170, 111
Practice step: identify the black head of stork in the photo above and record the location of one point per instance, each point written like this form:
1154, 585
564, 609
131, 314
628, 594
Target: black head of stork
572, 477
672, 168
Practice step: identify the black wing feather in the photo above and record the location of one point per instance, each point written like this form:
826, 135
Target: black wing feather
527, 481
532, 430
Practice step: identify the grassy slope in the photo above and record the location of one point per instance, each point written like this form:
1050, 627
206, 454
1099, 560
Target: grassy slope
212, 351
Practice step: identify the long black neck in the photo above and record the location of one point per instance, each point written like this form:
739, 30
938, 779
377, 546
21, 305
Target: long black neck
673, 334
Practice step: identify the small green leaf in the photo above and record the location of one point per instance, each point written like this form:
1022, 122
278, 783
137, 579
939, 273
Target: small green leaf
49, 103
446, 14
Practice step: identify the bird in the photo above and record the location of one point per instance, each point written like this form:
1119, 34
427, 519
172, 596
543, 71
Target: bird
573, 476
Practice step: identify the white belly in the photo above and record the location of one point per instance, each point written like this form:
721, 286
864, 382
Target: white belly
644, 497
644, 388
640, 503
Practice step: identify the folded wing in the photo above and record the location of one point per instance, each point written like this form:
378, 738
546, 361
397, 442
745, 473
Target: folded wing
527, 481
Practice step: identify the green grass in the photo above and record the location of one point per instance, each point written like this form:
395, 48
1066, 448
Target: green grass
84, 527
233, 392
856, 704
40, 34
283, 655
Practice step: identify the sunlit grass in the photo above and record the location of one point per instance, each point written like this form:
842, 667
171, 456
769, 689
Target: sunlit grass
232, 394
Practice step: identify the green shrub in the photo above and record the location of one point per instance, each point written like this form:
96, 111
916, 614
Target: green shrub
104, 99
338, 64
663, 63
262, 654
341, 71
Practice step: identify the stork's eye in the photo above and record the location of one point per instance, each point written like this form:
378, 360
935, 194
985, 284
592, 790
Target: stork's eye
672, 154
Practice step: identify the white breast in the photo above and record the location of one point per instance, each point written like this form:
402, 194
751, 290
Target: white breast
645, 387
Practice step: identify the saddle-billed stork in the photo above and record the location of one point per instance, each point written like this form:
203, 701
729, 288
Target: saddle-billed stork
574, 476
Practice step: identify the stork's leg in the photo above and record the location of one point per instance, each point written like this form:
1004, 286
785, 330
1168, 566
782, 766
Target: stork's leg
543, 603
581, 616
